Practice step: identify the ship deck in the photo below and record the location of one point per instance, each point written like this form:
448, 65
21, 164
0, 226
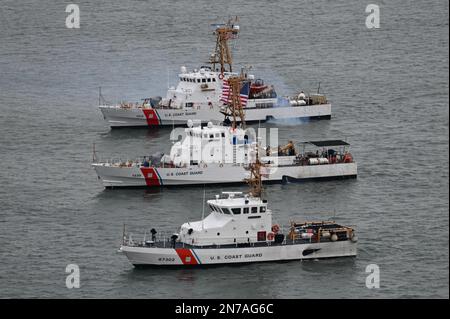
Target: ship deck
169, 244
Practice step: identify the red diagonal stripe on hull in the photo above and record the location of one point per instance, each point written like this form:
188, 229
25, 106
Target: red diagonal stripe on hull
151, 116
186, 256
150, 175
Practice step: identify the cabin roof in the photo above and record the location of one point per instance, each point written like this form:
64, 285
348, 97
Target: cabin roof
213, 129
328, 143
201, 74
236, 202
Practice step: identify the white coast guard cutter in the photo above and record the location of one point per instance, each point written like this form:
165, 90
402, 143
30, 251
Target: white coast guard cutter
239, 229
216, 154
199, 96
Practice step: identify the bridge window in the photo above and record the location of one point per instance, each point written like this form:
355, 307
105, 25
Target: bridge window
209, 80
246, 210
236, 211
262, 209
204, 80
226, 211
254, 210
214, 79
217, 135
198, 80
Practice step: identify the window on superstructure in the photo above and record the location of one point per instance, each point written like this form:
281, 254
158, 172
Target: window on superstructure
226, 211
214, 79
198, 80
217, 135
254, 210
246, 210
209, 79
262, 209
204, 80
223, 134
236, 211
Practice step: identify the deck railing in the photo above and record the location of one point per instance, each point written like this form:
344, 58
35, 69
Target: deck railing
164, 239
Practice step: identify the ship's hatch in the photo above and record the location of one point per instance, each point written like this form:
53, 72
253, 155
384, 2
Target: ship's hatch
261, 236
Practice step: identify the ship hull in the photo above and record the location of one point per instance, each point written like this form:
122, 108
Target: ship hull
135, 176
138, 117
169, 257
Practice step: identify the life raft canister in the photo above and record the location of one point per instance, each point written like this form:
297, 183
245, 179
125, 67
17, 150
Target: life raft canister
348, 158
275, 228
270, 236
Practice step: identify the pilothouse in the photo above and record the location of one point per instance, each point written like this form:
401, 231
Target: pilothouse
234, 219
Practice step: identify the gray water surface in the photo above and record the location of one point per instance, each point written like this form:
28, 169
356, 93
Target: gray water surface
389, 93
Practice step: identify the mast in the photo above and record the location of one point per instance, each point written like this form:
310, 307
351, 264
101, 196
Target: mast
203, 207
222, 52
94, 154
234, 105
254, 181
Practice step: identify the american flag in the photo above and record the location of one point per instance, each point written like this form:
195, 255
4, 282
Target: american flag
226, 91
